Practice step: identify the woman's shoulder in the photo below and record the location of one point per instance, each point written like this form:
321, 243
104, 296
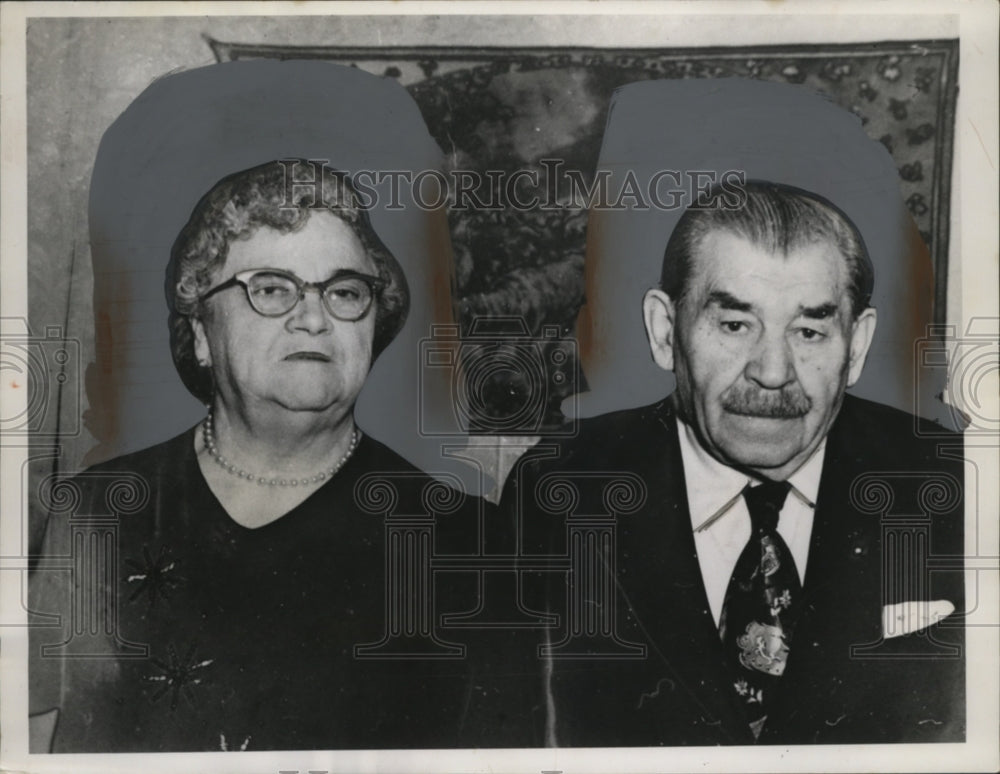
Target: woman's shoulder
372, 456
375, 469
130, 475
151, 457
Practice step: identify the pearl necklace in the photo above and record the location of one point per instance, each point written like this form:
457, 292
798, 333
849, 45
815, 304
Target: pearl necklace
230, 468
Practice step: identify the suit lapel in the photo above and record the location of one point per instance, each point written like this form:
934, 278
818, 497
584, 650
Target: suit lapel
842, 592
665, 591
843, 549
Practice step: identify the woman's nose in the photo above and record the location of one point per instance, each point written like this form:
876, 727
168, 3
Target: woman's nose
309, 313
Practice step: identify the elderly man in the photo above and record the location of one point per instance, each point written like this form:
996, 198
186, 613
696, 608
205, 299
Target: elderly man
771, 583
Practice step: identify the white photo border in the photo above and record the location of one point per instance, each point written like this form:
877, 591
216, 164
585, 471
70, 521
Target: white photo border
972, 295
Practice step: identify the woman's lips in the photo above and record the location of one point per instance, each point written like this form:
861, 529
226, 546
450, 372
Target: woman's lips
315, 356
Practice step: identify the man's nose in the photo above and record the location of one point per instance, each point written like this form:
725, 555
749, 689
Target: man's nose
310, 314
771, 364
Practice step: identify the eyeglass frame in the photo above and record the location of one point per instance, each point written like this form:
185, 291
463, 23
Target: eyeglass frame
375, 285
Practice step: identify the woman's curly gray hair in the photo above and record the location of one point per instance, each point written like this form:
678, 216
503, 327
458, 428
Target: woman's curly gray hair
280, 195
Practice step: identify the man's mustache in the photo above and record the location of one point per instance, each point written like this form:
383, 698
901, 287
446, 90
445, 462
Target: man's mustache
787, 403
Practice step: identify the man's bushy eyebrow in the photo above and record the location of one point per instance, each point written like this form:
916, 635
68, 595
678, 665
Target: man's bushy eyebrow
821, 312
727, 301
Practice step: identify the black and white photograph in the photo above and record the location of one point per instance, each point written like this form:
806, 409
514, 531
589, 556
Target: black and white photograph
479, 387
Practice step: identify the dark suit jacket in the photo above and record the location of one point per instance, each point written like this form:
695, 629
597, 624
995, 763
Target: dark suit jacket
887, 529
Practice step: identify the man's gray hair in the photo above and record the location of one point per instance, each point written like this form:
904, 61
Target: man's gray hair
776, 218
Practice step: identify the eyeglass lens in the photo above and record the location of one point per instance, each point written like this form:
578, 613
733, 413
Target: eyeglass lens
275, 294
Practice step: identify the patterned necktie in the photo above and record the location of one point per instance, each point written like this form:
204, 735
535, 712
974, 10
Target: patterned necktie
758, 613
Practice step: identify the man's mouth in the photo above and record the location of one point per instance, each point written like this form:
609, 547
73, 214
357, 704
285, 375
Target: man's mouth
767, 413
318, 357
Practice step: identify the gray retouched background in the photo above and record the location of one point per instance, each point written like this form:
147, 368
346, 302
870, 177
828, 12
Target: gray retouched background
83, 73
769, 131
173, 143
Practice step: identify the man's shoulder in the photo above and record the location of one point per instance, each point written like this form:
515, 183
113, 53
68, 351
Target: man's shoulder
871, 436
620, 440
652, 419
860, 409
885, 426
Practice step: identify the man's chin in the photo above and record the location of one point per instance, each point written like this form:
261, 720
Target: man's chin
761, 442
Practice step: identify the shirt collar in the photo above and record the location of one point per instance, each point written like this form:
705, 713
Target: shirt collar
713, 487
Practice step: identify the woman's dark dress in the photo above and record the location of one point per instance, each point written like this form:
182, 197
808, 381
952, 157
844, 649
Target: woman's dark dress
250, 632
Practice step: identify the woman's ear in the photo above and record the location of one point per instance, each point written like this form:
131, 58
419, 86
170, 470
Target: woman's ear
202, 351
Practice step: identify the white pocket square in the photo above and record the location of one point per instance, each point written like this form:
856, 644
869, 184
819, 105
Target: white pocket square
908, 617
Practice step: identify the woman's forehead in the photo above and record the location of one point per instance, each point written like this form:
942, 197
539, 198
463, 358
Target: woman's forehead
323, 246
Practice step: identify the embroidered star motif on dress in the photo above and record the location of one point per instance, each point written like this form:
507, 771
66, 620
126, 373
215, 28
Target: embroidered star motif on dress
157, 578
178, 675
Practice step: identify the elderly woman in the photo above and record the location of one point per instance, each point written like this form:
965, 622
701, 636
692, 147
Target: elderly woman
283, 296
235, 592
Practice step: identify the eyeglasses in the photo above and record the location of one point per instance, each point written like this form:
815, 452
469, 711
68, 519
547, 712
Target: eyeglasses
347, 296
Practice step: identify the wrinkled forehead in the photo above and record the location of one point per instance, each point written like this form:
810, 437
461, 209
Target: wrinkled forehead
314, 249
811, 267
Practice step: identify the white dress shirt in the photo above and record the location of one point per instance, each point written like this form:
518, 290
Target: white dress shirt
721, 521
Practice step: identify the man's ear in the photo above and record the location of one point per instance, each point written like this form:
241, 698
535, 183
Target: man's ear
862, 333
659, 314
202, 351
